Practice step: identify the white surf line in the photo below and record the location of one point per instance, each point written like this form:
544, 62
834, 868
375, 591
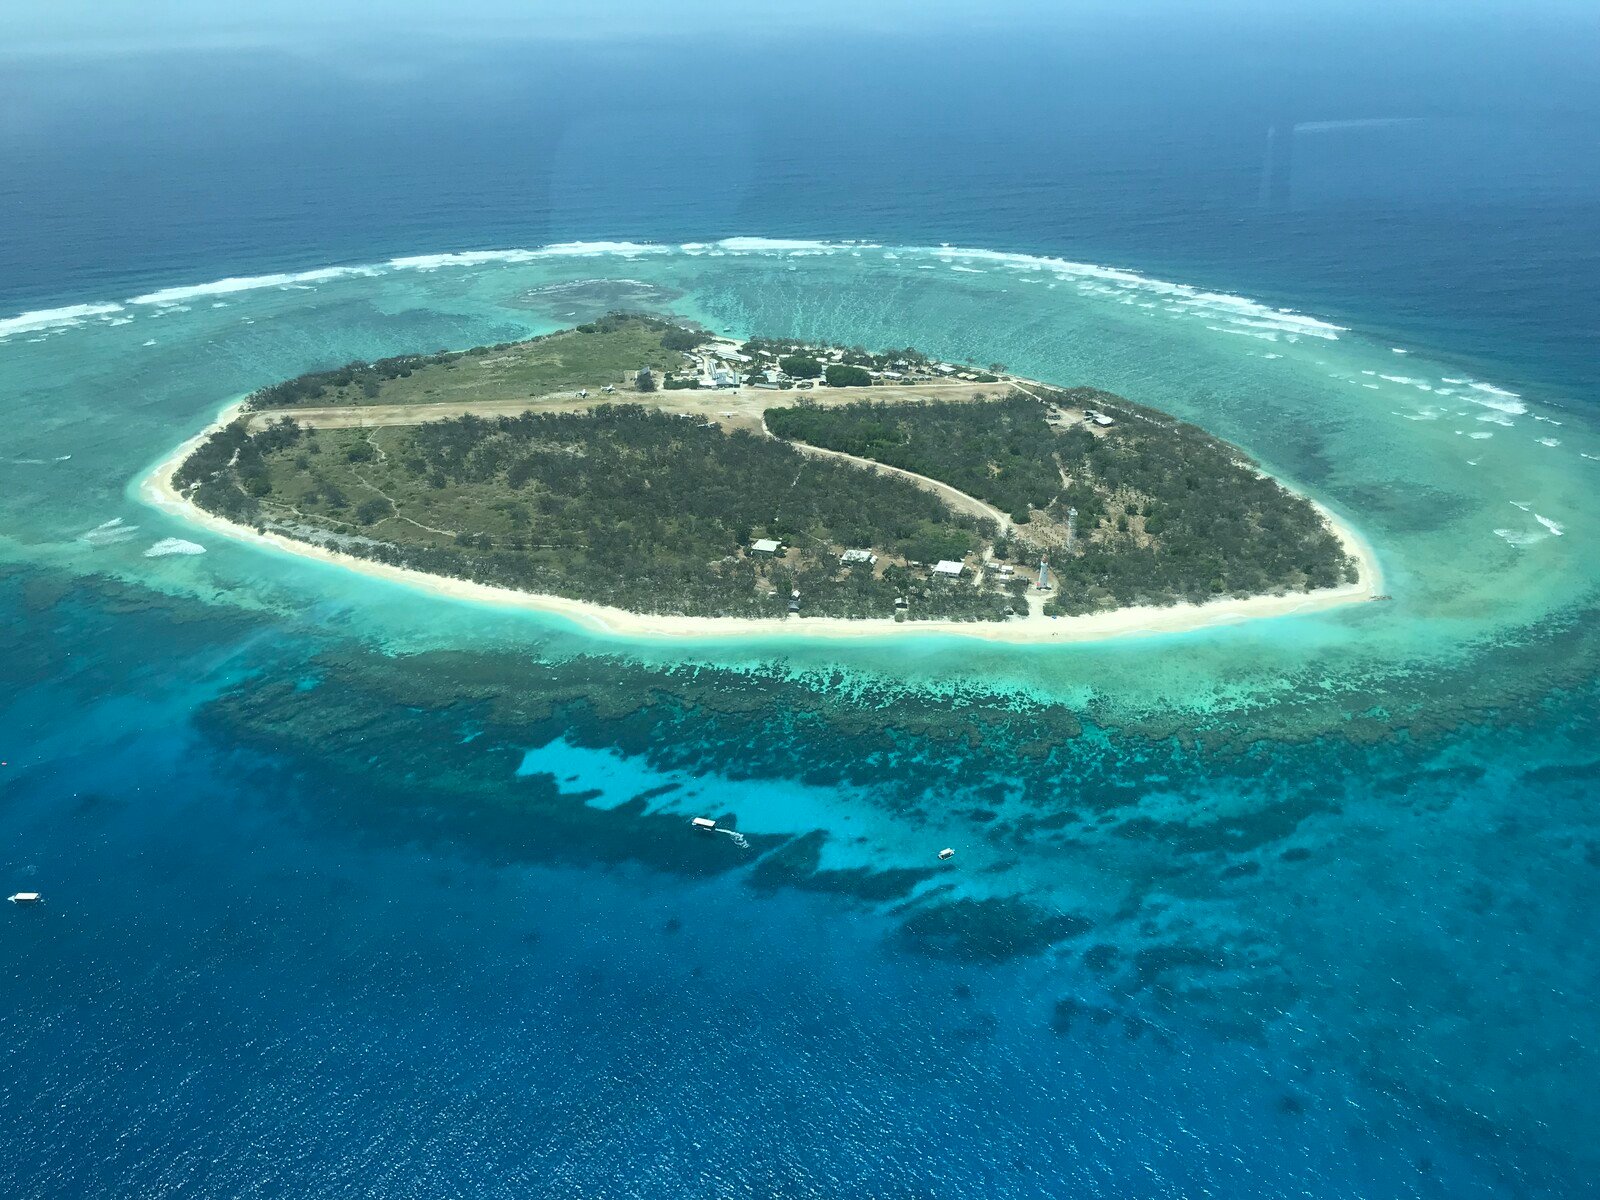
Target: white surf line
1240, 314
55, 318
1236, 309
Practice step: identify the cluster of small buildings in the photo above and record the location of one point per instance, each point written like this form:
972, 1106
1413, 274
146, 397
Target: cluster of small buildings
951, 371
946, 568
1060, 418
720, 364
949, 568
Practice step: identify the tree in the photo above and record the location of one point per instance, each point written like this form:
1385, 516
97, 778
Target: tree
680, 339
801, 366
645, 380
839, 375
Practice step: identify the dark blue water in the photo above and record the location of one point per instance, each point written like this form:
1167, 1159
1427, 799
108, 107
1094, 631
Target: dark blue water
281, 958
1436, 177
268, 968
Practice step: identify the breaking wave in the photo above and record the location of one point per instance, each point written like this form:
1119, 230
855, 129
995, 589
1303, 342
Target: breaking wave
1520, 538
1221, 311
248, 283
109, 533
1237, 312
168, 546
54, 318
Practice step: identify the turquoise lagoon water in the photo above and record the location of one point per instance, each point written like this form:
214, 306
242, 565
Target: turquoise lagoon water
1475, 497
355, 888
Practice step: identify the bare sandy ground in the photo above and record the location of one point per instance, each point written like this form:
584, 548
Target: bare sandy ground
739, 407
157, 490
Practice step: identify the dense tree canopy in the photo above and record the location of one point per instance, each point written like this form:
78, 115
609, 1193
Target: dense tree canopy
998, 451
844, 375
621, 505
1158, 510
801, 366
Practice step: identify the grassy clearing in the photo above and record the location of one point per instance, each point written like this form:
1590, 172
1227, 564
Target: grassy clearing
608, 352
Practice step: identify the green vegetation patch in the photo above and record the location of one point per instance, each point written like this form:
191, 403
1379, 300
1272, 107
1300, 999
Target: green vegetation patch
610, 351
618, 505
999, 451
1163, 511
844, 375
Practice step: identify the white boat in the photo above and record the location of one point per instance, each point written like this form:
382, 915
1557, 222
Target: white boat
25, 897
703, 823
946, 854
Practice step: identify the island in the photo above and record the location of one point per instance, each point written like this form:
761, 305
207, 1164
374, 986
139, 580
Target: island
650, 476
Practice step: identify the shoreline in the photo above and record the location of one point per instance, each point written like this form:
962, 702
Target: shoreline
156, 489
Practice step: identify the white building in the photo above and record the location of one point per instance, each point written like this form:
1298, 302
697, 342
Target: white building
765, 546
850, 557
950, 567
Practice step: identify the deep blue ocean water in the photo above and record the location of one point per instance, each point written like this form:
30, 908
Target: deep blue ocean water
282, 957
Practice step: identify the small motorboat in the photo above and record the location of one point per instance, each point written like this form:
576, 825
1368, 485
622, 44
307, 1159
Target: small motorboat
25, 897
946, 854
705, 824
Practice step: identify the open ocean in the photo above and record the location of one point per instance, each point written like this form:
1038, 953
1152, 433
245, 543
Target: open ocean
354, 891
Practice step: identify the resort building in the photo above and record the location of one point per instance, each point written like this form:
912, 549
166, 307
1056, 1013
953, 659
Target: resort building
765, 546
852, 557
949, 567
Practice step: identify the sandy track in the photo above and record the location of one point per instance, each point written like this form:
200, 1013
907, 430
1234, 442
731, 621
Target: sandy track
746, 404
